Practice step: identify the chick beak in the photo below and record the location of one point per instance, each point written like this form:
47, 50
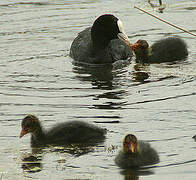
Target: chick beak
133, 148
135, 46
23, 132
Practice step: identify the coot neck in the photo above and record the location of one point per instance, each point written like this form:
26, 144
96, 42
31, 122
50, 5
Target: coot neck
142, 56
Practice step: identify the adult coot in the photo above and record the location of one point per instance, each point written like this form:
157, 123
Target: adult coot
99, 44
136, 153
62, 134
165, 50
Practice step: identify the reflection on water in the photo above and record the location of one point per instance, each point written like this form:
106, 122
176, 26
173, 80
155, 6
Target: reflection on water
101, 77
140, 72
112, 95
73, 149
133, 174
158, 7
33, 163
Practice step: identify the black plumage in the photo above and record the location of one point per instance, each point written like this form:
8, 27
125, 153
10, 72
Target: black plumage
63, 133
99, 44
170, 49
142, 155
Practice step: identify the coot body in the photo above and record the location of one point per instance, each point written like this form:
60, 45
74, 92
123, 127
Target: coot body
100, 44
136, 153
170, 49
63, 133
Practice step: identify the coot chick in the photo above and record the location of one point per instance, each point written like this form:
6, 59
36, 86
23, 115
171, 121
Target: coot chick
100, 44
165, 50
136, 153
62, 134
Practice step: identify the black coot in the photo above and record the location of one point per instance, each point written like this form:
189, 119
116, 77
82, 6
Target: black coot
170, 49
100, 44
63, 133
136, 153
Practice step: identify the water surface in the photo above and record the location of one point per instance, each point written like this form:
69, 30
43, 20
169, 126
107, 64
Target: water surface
37, 76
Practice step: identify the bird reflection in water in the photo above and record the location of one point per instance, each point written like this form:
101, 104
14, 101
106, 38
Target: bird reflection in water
101, 76
33, 163
133, 174
140, 72
107, 78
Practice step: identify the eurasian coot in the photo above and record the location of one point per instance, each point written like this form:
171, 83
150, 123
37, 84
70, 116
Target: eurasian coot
100, 44
136, 153
165, 50
61, 134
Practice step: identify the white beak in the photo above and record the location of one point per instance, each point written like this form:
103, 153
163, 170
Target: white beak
122, 35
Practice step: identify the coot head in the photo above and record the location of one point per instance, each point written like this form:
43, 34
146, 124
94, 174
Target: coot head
104, 29
140, 44
29, 125
130, 144
142, 50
